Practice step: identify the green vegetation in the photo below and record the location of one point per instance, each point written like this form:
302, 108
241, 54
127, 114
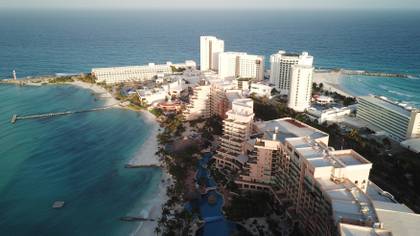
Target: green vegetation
87, 78
177, 70
212, 126
64, 79
156, 112
266, 109
179, 163
135, 102
249, 204
317, 88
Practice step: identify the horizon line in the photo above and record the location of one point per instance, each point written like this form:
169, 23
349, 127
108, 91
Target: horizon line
213, 8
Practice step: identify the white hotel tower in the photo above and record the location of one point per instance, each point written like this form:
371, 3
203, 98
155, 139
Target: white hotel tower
300, 91
281, 67
241, 65
210, 47
237, 129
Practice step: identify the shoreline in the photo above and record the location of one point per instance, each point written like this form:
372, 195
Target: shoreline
144, 153
109, 99
144, 156
332, 82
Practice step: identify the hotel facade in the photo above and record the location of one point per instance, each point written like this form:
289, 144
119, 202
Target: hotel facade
210, 47
222, 95
237, 129
324, 191
300, 91
395, 119
281, 68
198, 106
241, 65
113, 75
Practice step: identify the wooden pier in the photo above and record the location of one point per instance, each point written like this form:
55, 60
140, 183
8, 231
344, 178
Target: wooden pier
16, 117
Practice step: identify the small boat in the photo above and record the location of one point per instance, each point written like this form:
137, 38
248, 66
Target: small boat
58, 204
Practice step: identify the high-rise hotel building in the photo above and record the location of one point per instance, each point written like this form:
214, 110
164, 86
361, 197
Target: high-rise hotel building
300, 91
241, 65
198, 106
210, 47
237, 129
281, 68
222, 94
324, 191
399, 122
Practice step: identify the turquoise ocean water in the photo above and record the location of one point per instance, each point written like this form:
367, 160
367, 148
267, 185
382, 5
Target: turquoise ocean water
404, 90
77, 158
80, 158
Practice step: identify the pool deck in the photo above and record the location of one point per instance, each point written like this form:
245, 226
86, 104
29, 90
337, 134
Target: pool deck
215, 221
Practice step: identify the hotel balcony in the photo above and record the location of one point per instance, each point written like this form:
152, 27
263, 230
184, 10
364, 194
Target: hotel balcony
235, 123
237, 132
252, 160
225, 152
230, 148
232, 139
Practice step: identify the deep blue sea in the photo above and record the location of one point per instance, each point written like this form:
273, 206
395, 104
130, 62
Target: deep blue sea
80, 158
48, 42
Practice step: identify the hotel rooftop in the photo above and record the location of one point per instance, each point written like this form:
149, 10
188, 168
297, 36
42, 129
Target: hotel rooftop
349, 203
358, 208
284, 128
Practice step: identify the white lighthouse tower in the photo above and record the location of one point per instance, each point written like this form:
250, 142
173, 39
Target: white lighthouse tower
14, 75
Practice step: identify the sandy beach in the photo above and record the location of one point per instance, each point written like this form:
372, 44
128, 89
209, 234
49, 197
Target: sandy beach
145, 156
154, 209
331, 81
102, 92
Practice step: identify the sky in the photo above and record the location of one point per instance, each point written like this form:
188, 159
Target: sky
210, 4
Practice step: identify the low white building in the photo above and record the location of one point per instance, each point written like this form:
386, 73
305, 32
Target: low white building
330, 115
166, 91
113, 75
260, 90
323, 100
152, 96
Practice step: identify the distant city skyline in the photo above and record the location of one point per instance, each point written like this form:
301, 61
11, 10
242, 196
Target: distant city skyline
214, 4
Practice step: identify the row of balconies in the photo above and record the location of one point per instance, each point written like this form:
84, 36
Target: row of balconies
231, 148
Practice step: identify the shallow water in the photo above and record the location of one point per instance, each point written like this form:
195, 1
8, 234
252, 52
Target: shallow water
78, 159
